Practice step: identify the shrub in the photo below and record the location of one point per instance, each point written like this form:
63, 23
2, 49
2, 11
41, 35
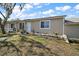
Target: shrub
21, 31
56, 33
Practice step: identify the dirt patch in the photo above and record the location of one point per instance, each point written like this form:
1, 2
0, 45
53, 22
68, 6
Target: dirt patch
19, 45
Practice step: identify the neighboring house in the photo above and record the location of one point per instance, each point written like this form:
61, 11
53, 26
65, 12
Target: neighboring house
48, 25
68, 22
71, 29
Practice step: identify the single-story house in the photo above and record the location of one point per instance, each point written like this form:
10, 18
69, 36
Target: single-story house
48, 25
71, 29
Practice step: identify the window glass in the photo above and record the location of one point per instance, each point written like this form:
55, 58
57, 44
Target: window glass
21, 25
45, 24
42, 24
12, 25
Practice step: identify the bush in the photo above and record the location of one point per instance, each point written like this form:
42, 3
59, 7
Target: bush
21, 31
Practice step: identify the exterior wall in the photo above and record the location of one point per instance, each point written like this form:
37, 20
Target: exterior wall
36, 28
16, 25
7, 27
72, 31
56, 26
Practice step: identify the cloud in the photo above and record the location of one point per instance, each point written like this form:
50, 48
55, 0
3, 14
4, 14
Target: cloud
33, 14
71, 15
39, 6
16, 9
77, 7
22, 14
64, 8
28, 6
35, 4
17, 13
48, 11
46, 3
25, 15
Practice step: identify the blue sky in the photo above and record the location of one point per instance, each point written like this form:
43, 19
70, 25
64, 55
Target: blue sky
39, 10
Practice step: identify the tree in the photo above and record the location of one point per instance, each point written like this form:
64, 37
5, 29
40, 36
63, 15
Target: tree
8, 7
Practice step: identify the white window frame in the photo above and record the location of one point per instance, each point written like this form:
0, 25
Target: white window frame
44, 21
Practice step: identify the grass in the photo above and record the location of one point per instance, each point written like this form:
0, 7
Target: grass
38, 39
58, 46
37, 45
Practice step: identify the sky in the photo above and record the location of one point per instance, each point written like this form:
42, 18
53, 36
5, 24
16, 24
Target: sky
39, 10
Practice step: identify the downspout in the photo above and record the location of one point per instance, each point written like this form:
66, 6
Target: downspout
63, 26
64, 36
63, 23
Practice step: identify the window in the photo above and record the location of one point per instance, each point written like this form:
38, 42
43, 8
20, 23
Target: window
12, 25
21, 25
44, 24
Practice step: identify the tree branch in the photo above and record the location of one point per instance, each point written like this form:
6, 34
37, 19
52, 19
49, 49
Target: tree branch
2, 15
9, 12
14, 5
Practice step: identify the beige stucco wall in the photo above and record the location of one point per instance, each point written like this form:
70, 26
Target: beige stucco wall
36, 27
56, 26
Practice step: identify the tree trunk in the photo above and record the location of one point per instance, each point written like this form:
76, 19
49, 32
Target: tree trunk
3, 29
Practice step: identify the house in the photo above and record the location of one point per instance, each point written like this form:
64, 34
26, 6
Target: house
68, 22
71, 28
48, 25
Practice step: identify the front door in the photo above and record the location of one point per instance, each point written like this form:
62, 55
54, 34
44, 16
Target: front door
29, 27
